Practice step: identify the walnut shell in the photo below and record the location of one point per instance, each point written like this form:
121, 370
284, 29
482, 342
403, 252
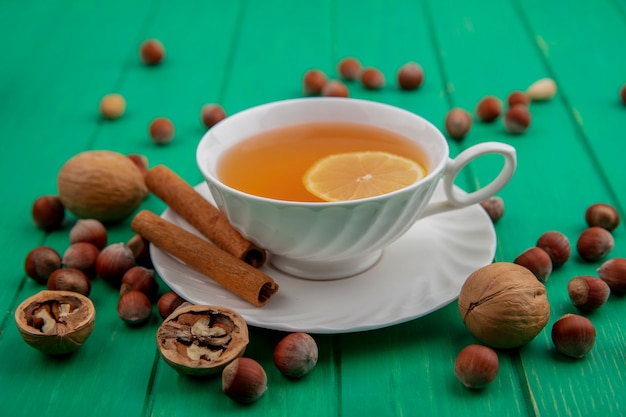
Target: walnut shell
56, 322
201, 340
504, 305
101, 185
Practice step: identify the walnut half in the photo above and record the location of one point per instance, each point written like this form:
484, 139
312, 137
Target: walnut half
56, 322
202, 340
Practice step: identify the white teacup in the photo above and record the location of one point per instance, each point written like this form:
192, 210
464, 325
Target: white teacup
329, 240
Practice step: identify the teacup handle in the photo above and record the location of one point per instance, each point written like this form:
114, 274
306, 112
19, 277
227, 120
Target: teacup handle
458, 199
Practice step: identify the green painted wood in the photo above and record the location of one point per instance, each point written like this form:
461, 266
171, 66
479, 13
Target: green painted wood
64, 56
555, 133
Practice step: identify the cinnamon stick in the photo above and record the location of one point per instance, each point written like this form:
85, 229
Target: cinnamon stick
201, 214
230, 272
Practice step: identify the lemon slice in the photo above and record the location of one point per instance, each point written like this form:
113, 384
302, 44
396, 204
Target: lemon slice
356, 175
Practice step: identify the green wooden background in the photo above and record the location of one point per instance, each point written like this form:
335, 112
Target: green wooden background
58, 58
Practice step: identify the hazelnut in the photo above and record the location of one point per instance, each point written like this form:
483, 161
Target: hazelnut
113, 262
313, 82
488, 109
541, 90
476, 366
573, 335
244, 380
70, 279
588, 293
602, 215
134, 307
613, 272
372, 78
335, 88
161, 130
90, 231
151, 52
494, 206
537, 261
55, 322
201, 340
81, 256
112, 106
140, 279
517, 119
168, 303
140, 161
296, 355
503, 305
595, 243
458, 123
102, 185
349, 68
211, 114
622, 94
48, 212
517, 97
41, 262
410, 76
141, 250
557, 246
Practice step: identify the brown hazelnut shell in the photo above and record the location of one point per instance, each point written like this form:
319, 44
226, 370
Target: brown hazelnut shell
573, 335
594, 243
70, 279
602, 215
476, 366
537, 261
41, 262
557, 246
69, 332
90, 231
169, 302
504, 305
178, 326
588, 293
244, 380
613, 272
458, 123
488, 109
296, 354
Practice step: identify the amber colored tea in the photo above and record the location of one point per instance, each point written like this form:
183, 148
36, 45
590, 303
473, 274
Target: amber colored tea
273, 163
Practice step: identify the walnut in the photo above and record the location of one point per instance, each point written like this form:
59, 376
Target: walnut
504, 305
56, 322
201, 340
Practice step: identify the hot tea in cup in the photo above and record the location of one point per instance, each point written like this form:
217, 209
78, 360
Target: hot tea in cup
274, 163
261, 164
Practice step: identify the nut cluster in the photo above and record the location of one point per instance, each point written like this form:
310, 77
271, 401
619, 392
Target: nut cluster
410, 76
516, 117
88, 256
161, 130
574, 335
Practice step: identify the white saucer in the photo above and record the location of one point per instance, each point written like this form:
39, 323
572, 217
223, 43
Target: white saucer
419, 273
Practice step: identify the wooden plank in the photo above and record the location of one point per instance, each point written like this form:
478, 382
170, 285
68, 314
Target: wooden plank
53, 107
569, 189
413, 366
115, 364
595, 112
259, 70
